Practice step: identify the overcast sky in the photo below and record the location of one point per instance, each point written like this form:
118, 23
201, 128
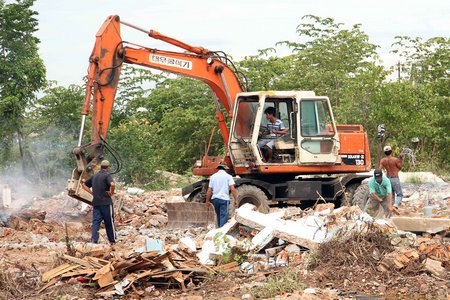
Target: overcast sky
67, 28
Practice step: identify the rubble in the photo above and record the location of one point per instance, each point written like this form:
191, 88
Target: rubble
340, 250
120, 273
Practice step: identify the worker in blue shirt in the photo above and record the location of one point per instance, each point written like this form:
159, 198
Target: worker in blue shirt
220, 185
380, 190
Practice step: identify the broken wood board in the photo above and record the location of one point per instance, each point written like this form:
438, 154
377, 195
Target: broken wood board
78, 261
50, 283
86, 272
229, 267
417, 224
58, 271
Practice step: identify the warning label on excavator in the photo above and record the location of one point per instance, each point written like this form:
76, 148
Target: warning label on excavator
169, 61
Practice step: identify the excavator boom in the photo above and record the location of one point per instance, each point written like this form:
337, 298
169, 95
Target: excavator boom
105, 63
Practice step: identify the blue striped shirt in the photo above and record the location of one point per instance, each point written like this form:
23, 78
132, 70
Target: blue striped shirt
278, 125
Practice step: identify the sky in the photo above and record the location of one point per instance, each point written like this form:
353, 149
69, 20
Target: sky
239, 27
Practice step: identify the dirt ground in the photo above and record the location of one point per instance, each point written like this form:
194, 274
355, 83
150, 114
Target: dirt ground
34, 238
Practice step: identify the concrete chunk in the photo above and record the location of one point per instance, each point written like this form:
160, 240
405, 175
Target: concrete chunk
435, 267
307, 232
418, 224
261, 240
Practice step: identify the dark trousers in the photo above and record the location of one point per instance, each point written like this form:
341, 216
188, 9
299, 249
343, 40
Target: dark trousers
103, 213
221, 208
372, 206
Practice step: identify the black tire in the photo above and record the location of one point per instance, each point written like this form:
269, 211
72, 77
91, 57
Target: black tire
361, 196
197, 196
347, 197
253, 195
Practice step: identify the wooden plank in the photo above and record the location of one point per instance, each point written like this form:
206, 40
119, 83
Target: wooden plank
58, 271
50, 283
402, 258
78, 273
106, 279
106, 292
228, 266
78, 261
96, 262
104, 270
411, 254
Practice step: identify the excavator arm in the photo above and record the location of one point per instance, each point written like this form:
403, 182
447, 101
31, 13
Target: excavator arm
105, 63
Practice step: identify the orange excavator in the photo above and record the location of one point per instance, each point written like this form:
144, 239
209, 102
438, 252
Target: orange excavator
315, 159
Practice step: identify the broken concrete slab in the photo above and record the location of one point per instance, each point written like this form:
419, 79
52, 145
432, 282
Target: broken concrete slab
261, 239
418, 224
188, 243
225, 229
248, 216
302, 236
307, 232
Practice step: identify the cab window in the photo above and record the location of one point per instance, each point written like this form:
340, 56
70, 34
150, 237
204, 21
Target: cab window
316, 118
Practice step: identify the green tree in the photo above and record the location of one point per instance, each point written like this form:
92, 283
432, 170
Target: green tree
52, 126
22, 72
425, 107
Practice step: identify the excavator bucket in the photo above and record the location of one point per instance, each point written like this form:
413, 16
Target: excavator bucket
184, 214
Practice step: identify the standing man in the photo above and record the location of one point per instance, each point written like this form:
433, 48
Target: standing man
393, 165
220, 185
103, 187
275, 128
380, 193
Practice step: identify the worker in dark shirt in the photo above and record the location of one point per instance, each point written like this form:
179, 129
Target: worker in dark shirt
103, 187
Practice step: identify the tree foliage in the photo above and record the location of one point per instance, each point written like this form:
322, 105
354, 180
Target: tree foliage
52, 125
164, 122
22, 72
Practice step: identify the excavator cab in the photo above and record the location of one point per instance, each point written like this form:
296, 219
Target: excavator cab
311, 139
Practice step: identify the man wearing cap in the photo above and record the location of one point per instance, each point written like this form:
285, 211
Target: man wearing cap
103, 187
380, 193
220, 185
393, 165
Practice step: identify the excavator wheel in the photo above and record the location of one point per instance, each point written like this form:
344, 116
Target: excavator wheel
355, 194
197, 196
347, 198
254, 195
361, 196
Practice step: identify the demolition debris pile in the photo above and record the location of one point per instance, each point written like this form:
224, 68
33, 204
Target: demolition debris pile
338, 252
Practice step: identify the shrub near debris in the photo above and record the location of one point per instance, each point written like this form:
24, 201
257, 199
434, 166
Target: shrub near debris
362, 248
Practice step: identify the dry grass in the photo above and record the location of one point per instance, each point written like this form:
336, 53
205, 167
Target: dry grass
18, 285
287, 281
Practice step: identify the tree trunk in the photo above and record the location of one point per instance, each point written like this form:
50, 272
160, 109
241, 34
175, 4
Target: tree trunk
21, 150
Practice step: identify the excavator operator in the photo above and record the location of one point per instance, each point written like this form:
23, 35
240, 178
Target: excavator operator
275, 128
